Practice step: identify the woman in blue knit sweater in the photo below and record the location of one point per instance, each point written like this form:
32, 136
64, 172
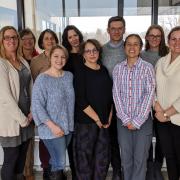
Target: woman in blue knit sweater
53, 109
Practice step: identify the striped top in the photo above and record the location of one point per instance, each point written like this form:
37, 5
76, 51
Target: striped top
133, 91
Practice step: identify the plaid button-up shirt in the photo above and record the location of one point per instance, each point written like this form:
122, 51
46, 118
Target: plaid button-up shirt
133, 91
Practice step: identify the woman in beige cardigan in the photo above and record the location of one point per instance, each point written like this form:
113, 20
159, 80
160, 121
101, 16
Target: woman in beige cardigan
16, 128
167, 106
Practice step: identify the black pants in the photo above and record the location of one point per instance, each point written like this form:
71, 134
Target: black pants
169, 135
43, 155
158, 151
71, 160
91, 152
115, 153
14, 161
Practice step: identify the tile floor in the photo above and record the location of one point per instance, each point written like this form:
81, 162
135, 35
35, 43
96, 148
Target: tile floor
38, 176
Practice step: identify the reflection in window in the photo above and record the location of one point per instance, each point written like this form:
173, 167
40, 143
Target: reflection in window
137, 14
8, 11
98, 8
169, 16
71, 8
92, 27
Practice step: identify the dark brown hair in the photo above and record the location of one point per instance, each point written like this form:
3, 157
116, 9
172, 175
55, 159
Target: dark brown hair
177, 28
41, 37
95, 43
116, 18
135, 35
163, 49
65, 41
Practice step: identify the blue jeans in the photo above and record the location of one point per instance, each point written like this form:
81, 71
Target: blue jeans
57, 150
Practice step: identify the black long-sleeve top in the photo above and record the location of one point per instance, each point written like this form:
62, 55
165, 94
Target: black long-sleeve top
94, 88
74, 62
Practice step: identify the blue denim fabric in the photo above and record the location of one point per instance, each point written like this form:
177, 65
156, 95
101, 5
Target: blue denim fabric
57, 150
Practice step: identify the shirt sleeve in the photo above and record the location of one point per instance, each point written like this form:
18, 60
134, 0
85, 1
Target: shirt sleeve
39, 98
117, 97
148, 97
80, 89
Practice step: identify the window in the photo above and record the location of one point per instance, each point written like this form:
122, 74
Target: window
169, 14
137, 14
8, 11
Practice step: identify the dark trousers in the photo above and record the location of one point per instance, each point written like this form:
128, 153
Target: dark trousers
71, 160
115, 153
169, 139
158, 151
14, 161
43, 155
91, 152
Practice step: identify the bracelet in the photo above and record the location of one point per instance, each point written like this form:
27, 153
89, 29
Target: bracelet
97, 121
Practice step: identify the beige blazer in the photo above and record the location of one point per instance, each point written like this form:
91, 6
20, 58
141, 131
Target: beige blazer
11, 117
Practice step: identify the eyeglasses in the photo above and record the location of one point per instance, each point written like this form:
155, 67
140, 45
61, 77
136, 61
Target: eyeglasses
89, 51
151, 36
28, 39
8, 38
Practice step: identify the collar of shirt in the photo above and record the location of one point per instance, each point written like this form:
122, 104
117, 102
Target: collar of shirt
136, 65
116, 45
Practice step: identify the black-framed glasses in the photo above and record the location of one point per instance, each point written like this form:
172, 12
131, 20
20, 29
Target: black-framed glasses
89, 51
8, 38
152, 36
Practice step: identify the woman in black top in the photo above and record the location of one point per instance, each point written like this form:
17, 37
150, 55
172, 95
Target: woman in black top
71, 40
93, 113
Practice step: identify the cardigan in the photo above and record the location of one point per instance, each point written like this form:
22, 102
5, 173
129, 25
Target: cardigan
168, 85
11, 117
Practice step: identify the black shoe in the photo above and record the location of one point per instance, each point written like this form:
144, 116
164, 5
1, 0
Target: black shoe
57, 175
46, 173
117, 175
20, 177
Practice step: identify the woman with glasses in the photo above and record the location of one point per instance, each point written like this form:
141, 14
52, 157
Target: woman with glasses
155, 48
16, 127
93, 113
28, 42
167, 105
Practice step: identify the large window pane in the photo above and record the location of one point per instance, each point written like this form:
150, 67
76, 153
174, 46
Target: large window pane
169, 14
137, 14
98, 8
92, 27
43, 14
71, 8
8, 13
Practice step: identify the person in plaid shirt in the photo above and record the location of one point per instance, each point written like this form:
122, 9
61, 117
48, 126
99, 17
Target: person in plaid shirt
133, 94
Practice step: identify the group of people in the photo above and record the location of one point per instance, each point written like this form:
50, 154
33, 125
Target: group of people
101, 103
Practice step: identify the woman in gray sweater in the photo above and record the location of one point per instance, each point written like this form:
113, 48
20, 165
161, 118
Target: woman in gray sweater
53, 109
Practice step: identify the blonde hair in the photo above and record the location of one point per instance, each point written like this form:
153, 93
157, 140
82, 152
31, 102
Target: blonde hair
59, 47
2, 49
